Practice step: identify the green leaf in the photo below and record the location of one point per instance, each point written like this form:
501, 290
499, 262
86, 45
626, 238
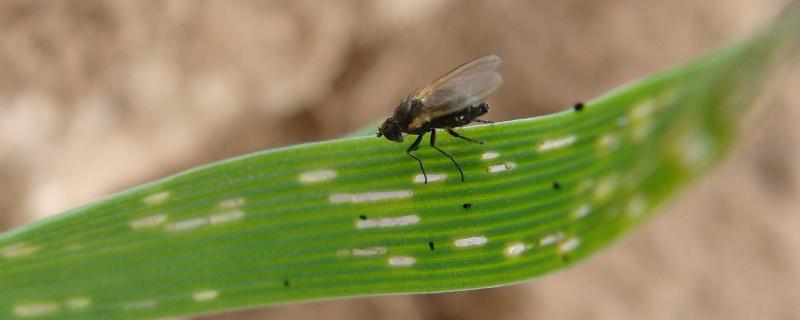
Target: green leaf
346, 217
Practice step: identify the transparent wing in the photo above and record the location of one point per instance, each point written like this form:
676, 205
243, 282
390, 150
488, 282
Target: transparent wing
462, 87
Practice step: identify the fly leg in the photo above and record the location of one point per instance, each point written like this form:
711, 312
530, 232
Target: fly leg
482, 121
433, 144
455, 134
413, 147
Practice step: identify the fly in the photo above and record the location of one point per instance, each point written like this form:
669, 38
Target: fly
453, 100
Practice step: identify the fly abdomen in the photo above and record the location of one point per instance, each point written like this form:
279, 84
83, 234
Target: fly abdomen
460, 118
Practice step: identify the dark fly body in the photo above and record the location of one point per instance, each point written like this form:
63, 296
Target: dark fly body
453, 100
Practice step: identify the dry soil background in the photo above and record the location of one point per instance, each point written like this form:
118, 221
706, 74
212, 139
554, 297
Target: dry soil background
96, 97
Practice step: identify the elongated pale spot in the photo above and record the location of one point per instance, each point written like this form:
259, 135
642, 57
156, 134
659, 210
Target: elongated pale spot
582, 211
79, 302
141, 304
640, 117
433, 177
605, 187
369, 251
369, 196
19, 250
643, 109
231, 203
551, 239
156, 198
471, 241
636, 206
490, 155
608, 142
502, 167
317, 176
226, 217
515, 249
148, 222
187, 224
569, 245
75, 247
36, 309
557, 143
402, 261
388, 222
694, 150
205, 295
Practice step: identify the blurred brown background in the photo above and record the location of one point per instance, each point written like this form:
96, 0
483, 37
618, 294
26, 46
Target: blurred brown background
96, 97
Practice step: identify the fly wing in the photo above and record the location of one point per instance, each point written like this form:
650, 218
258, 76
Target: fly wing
465, 86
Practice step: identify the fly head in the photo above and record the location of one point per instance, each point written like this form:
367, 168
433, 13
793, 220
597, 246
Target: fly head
391, 130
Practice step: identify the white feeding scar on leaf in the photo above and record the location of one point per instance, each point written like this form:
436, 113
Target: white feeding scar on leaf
640, 117
490, 155
388, 222
636, 206
225, 217
19, 250
231, 203
569, 245
551, 239
316, 176
205, 295
35, 309
369, 196
608, 142
141, 304
433, 177
214, 219
643, 109
369, 251
515, 249
582, 211
402, 261
79, 302
187, 224
694, 149
553, 144
149, 221
605, 187
502, 167
156, 198
471, 241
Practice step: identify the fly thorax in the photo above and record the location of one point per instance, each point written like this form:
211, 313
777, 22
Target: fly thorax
403, 114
